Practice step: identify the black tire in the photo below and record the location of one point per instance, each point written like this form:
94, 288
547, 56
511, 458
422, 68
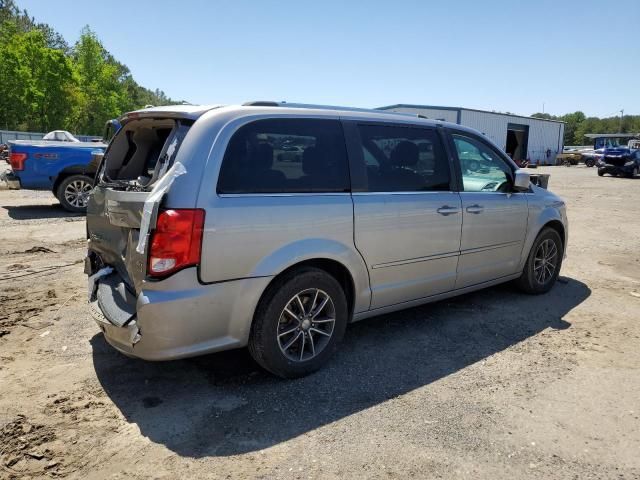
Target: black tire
529, 281
65, 193
264, 339
600, 172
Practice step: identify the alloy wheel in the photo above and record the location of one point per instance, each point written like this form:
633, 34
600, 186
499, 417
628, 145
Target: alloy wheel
306, 325
77, 193
545, 261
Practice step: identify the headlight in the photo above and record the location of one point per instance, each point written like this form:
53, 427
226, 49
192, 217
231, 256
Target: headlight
632, 163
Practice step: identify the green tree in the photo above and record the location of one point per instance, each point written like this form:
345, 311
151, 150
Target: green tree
12, 95
35, 81
101, 83
572, 123
45, 84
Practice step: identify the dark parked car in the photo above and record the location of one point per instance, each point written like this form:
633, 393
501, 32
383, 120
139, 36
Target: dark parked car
622, 162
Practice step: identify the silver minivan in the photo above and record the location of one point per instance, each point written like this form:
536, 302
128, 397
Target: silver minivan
274, 225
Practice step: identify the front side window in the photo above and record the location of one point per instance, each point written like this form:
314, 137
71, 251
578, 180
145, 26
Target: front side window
483, 170
403, 159
288, 155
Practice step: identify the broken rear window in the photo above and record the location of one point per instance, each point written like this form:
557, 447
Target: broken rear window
142, 151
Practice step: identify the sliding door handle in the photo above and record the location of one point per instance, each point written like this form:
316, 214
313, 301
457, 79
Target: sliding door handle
475, 209
447, 210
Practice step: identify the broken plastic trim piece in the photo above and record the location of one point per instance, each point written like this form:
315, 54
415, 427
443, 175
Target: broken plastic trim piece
134, 332
93, 281
154, 198
168, 155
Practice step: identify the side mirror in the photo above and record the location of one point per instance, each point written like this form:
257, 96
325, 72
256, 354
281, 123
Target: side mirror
521, 181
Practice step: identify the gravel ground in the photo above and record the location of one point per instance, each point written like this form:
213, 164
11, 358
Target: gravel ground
494, 384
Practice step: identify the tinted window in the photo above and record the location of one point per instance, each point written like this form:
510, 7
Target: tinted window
483, 170
286, 156
403, 159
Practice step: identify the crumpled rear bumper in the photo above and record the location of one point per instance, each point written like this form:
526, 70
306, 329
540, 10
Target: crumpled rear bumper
177, 317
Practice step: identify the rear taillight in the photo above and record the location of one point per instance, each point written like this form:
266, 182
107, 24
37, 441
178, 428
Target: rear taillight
17, 160
176, 242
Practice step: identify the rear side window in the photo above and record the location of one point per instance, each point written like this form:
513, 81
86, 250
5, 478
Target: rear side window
288, 155
403, 159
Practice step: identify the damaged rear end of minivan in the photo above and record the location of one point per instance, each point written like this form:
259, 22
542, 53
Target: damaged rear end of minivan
144, 243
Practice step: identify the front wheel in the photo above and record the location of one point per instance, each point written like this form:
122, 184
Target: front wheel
73, 193
298, 323
543, 263
600, 172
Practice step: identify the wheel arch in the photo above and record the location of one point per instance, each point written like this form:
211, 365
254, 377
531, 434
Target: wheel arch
336, 269
548, 217
558, 227
67, 172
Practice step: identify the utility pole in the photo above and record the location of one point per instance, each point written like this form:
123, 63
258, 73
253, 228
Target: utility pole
621, 115
542, 107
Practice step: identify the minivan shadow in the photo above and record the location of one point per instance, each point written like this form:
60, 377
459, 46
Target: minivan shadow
224, 404
30, 212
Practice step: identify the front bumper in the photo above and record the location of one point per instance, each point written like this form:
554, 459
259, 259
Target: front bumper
177, 317
10, 180
615, 169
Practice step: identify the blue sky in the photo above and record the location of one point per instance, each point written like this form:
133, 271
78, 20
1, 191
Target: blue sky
495, 55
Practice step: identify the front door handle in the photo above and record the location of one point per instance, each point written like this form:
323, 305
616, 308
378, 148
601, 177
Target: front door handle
475, 209
447, 210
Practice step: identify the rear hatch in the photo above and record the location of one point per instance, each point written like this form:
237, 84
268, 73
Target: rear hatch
136, 168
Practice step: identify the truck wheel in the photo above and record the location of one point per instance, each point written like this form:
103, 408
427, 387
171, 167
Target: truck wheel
73, 193
298, 323
543, 264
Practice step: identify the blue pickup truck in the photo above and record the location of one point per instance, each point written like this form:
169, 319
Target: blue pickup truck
58, 163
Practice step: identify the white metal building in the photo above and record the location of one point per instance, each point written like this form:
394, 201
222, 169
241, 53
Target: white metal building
521, 137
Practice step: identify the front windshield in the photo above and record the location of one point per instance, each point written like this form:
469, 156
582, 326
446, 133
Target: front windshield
608, 143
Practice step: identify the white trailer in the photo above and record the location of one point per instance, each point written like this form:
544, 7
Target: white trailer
534, 139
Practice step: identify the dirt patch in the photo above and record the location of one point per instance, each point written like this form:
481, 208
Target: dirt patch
23, 448
37, 250
17, 266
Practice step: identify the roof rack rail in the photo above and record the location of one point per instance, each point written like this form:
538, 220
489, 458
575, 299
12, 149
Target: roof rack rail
261, 103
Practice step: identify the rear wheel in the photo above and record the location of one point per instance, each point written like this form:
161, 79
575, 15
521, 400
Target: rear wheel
543, 264
73, 193
298, 323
